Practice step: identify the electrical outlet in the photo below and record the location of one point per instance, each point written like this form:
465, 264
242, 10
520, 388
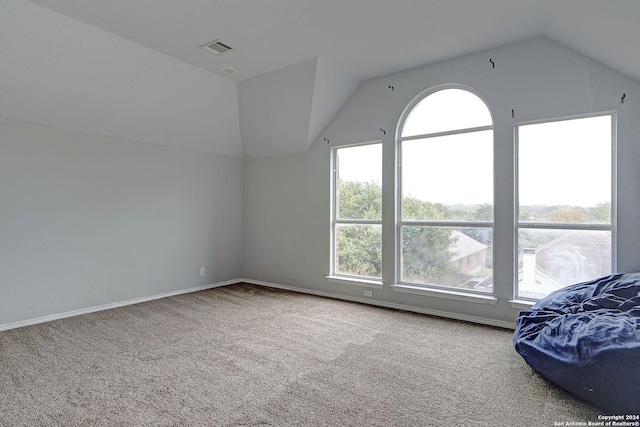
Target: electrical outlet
202, 272
368, 293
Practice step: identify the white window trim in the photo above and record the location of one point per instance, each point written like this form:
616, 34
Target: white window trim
445, 133
523, 302
364, 282
334, 276
444, 292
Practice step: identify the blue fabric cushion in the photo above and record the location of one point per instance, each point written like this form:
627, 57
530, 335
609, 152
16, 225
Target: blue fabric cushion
585, 338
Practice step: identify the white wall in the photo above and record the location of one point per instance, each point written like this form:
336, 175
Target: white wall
273, 102
287, 199
283, 111
88, 220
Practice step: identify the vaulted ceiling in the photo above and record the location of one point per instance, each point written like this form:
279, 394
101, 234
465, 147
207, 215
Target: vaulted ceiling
298, 60
367, 38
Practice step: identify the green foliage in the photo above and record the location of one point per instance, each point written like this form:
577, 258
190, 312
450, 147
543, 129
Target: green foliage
413, 208
359, 247
483, 212
425, 250
599, 214
568, 215
426, 256
425, 253
460, 212
359, 200
359, 250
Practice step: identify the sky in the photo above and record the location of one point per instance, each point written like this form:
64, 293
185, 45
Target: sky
449, 170
566, 162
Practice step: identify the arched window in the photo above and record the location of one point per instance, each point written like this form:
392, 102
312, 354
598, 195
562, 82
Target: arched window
445, 201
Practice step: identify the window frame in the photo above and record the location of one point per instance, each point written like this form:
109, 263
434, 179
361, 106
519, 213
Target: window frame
518, 225
441, 290
334, 275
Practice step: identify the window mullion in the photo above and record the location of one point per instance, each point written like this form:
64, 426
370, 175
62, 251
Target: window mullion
428, 223
447, 133
564, 226
358, 221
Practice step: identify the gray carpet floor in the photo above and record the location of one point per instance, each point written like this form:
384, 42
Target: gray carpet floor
248, 355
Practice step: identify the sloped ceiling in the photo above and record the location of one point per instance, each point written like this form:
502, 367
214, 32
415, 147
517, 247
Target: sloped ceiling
60, 72
367, 38
345, 42
606, 31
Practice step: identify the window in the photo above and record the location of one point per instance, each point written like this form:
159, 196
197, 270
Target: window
565, 217
556, 222
357, 211
445, 206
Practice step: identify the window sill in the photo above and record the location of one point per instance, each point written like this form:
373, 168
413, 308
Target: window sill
343, 280
521, 304
448, 294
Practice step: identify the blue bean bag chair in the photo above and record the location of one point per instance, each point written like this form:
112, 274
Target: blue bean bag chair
585, 338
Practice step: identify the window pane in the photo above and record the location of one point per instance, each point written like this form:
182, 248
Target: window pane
564, 171
358, 182
552, 259
359, 250
446, 110
448, 256
448, 178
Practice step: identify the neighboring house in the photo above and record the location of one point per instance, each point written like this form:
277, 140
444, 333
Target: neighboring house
576, 257
468, 256
532, 282
573, 258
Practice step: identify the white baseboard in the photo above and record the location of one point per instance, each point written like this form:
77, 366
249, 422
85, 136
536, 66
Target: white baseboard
456, 316
446, 314
51, 317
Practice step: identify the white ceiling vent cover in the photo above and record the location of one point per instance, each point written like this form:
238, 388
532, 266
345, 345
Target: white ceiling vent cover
216, 47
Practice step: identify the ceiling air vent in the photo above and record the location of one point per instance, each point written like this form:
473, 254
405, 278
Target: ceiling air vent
216, 47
